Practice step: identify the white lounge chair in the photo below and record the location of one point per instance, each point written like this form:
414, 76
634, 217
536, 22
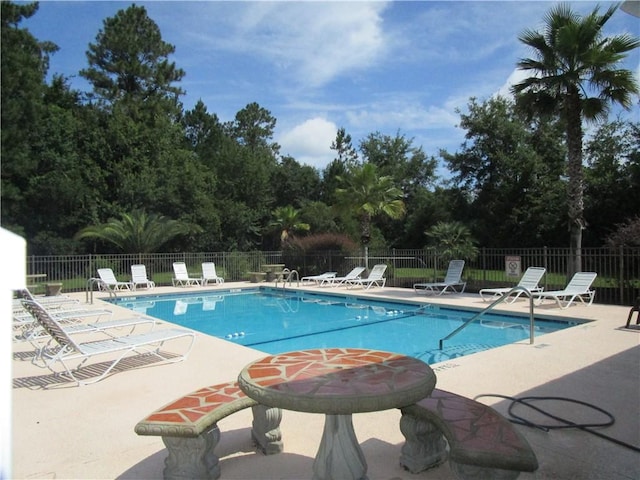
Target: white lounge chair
70, 352
108, 281
50, 301
336, 281
76, 327
139, 277
58, 306
182, 277
452, 280
579, 287
317, 279
529, 280
27, 328
209, 274
106, 328
376, 277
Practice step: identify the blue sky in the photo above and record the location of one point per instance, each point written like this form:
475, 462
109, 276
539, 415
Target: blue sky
388, 67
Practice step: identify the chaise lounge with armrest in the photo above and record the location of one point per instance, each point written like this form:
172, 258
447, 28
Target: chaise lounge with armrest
73, 354
578, 288
452, 280
209, 274
376, 277
317, 279
529, 280
182, 277
139, 277
109, 282
355, 273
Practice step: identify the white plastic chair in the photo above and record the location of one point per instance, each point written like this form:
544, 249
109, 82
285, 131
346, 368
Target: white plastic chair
209, 274
337, 281
529, 280
452, 280
578, 288
139, 277
376, 277
108, 281
317, 279
182, 277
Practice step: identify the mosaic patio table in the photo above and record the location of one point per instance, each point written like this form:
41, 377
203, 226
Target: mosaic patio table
273, 271
337, 382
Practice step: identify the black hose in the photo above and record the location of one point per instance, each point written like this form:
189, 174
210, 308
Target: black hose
564, 423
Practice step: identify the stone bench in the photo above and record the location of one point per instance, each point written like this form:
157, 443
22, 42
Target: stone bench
53, 289
188, 427
257, 277
481, 442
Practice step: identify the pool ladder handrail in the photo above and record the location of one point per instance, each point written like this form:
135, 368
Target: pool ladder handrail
88, 294
287, 276
495, 303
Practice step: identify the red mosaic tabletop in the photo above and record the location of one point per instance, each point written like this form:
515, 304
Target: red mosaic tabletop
337, 381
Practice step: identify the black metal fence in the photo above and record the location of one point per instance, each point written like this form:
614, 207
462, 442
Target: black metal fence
618, 271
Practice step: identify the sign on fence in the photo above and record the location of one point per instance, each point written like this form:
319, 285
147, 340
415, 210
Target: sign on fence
512, 265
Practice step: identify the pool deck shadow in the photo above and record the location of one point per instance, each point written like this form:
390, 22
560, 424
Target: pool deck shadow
87, 432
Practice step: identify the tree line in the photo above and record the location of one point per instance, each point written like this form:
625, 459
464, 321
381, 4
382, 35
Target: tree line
74, 164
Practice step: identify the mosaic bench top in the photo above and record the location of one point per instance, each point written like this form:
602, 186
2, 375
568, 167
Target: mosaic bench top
192, 414
476, 433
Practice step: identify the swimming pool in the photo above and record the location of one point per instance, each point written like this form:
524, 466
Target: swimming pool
276, 320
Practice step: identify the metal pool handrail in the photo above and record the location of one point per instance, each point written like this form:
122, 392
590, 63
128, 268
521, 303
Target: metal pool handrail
88, 293
494, 304
290, 274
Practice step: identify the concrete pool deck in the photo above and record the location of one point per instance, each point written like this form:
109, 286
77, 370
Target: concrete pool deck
70, 432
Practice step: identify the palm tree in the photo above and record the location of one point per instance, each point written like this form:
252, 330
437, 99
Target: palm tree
366, 194
453, 240
287, 220
575, 73
138, 232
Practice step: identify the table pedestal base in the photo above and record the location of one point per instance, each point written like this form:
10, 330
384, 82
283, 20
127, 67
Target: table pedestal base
266, 429
424, 448
339, 455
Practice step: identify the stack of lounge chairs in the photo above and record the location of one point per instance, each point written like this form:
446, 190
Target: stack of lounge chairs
70, 343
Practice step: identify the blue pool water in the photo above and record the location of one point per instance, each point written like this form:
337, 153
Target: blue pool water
275, 321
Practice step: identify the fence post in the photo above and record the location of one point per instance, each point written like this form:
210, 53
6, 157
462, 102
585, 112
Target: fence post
621, 276
545, 264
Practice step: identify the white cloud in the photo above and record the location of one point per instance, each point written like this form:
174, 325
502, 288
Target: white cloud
403, 115
316, 42
310, 142
516, 76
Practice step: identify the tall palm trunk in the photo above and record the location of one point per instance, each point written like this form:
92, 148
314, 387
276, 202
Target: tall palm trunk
365, 237
575, 186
